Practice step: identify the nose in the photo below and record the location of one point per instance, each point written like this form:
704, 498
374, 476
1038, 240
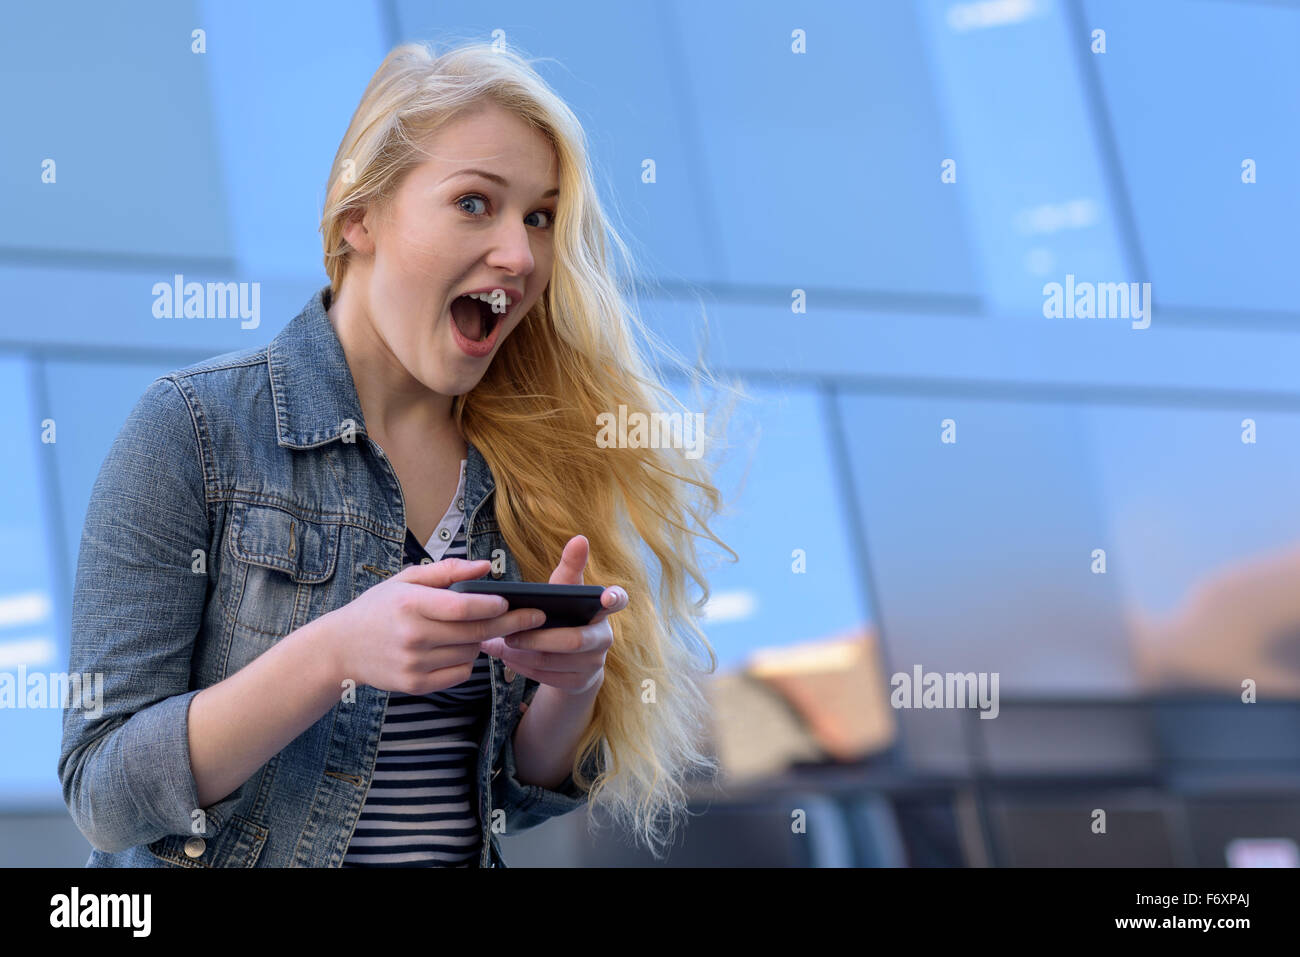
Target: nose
512, 249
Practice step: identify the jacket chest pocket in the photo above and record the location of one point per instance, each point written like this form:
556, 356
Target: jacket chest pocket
486, 542
283, 563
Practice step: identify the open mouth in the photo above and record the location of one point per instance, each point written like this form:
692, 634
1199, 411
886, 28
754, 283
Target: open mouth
476, 319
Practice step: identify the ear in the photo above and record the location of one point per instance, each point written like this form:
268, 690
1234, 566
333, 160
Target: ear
358, 234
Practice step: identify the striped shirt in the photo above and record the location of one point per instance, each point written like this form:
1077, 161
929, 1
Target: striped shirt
422, 806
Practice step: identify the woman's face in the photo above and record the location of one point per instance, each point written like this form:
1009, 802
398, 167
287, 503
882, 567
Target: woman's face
448, 232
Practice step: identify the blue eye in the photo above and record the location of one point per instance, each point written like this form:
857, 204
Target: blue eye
550, 216
549, 213
463, 198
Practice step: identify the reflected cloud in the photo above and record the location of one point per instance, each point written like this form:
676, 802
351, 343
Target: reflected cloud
26, 651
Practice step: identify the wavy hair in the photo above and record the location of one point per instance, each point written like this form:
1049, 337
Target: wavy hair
581, 351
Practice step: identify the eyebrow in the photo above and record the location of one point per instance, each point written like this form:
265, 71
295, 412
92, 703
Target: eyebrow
496, 179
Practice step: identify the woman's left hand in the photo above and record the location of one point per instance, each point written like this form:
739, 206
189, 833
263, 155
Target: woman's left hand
571, 659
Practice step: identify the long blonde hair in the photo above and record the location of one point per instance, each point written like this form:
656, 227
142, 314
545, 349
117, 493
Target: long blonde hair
578, 353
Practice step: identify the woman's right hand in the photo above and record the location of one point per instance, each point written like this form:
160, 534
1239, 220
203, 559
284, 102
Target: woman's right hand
410, 634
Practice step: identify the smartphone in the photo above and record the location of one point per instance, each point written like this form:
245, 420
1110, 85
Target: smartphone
566, 606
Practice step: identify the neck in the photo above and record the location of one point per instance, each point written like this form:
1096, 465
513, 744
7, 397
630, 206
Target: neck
393, 402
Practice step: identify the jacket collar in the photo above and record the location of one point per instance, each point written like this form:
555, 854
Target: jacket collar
315, 395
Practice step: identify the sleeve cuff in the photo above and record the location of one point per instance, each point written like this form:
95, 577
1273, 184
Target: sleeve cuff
527, 805
144, 765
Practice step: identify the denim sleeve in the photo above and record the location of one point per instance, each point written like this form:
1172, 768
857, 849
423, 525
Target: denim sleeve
137, 608
528, 805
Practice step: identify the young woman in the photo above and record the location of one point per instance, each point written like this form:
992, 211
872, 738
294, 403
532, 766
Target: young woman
264, 570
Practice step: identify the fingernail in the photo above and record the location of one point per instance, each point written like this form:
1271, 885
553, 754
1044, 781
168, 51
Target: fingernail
536, 618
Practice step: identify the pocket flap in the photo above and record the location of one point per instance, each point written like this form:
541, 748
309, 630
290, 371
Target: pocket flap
238, 844
275, 538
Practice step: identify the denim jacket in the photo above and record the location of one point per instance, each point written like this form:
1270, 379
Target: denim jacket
241, 500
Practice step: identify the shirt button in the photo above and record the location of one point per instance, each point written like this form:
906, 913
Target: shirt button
460, 504
444, 533
195, 847
426, 560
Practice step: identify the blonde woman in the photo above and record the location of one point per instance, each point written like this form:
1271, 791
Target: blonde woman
264, 570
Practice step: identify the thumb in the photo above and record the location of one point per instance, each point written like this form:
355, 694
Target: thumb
572, 562
446, 572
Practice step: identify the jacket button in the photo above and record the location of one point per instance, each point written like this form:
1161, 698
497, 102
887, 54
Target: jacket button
460, 504
195, 847
444, 533
510, 676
